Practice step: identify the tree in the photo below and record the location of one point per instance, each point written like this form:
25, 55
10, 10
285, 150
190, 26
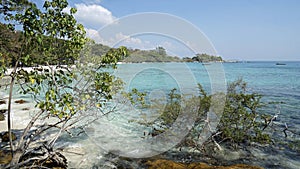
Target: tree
63, 94
207, 58
241, 121
161, 51
155, 55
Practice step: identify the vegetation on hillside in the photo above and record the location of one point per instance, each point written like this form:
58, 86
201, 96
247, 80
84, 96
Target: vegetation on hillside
203, 58
160, 55
11, 43
157, 55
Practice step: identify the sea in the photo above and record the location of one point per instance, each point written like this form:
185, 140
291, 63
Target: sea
277, 82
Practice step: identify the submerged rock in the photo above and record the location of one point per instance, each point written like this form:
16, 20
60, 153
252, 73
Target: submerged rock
167, 164
5, 157
3, 111
2, 117
5, 137
21, 101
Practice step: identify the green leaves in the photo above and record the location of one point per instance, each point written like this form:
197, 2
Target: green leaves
50, 42
2, 66
241, 121
136, 98
73, 10
113, 56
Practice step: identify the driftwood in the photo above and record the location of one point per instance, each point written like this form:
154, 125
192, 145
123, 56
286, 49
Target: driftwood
41, 157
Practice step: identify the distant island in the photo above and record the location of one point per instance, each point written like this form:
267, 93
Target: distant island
156, 55
160, 55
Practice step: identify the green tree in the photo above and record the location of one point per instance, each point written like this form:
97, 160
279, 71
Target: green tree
156, 55
241, 121
161, 51
207, 58
66, 91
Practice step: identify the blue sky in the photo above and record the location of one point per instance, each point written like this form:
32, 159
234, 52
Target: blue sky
238, 29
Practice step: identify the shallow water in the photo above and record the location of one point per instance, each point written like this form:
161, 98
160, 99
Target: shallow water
277, 83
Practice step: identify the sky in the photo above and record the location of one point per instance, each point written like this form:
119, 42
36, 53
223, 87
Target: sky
236, 29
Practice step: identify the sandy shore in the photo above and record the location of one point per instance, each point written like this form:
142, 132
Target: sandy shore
80, 152
21, 113
28, 69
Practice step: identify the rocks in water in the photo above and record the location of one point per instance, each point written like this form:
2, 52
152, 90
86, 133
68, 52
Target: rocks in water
228, 154
2, 117
3, 111
21, 101
2, 102
5, 158
5, 137
25, 109
166, 164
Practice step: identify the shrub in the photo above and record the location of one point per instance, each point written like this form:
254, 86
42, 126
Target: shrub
241, 121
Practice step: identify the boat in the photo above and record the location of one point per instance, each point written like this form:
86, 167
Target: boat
280, 64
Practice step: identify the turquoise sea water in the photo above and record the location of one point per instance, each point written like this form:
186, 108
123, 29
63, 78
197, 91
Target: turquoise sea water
277, 83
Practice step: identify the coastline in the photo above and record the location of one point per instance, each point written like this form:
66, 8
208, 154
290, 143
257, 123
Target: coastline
75, 150
84, 153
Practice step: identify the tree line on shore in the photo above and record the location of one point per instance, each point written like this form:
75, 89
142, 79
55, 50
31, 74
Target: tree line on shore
10, 42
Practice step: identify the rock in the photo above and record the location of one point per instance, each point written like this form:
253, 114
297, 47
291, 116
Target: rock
228, 154
3, 111
5, 157
2, 102
5, 137
167, 164
2, 117
25, 109
21, 101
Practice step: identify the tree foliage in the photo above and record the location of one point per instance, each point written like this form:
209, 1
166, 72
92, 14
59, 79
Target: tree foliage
241, 122
156, 55
207, 58
76, 89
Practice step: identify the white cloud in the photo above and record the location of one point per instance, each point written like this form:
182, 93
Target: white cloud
117, 39
127, 40
93, 34
93, 16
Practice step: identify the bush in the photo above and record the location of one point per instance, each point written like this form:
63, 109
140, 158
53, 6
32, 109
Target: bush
240, 123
